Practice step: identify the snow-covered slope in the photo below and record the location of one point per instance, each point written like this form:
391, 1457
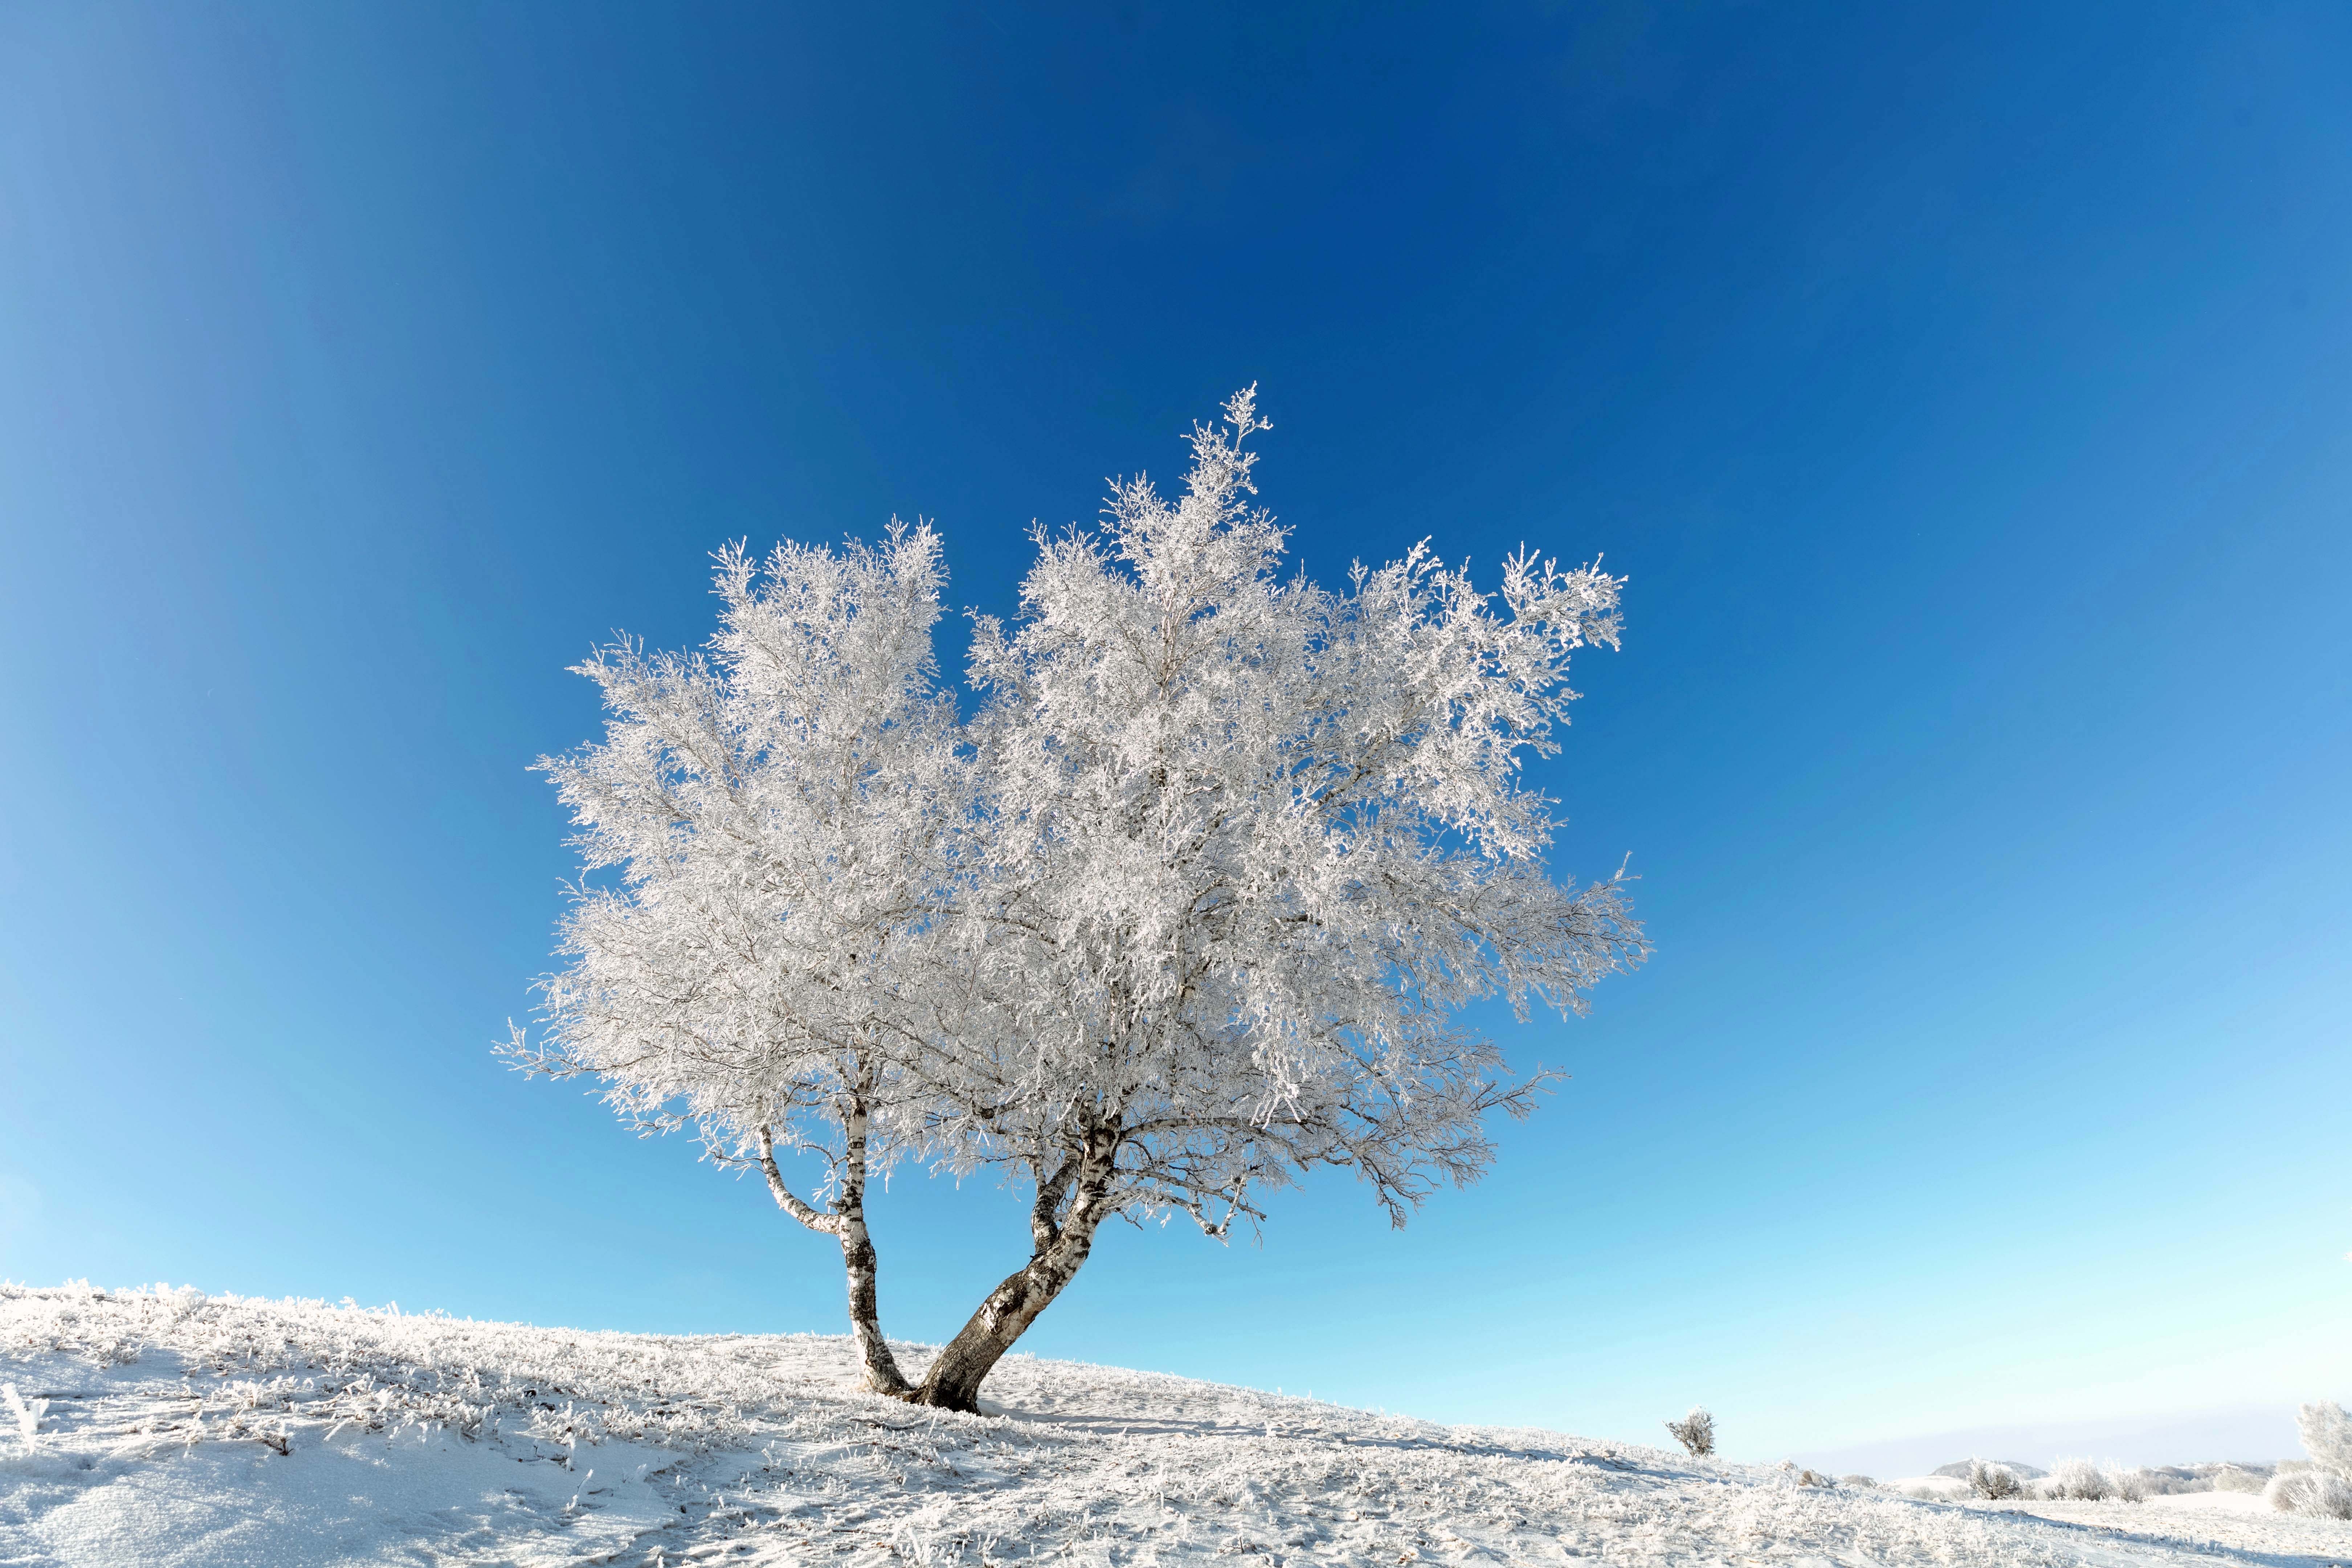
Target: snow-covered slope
186, 1429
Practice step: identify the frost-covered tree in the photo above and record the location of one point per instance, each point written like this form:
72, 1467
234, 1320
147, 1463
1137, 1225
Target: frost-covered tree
2325, 1487
1194, 904
2326, 1434
1251, 848
1993, 1482
784, 809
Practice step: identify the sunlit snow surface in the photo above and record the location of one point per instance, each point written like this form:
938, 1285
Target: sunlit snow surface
437, 1440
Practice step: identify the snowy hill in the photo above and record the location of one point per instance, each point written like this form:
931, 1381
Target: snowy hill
191, 1430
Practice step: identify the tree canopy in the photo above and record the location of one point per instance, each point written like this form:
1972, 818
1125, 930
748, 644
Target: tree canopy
1194, 903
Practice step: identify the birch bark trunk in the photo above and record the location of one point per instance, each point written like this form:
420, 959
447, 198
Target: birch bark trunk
1062, 1245
846, 1224
863, 1268
858, 1258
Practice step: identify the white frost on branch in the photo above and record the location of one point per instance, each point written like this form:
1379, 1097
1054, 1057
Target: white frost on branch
784, 808
1253, 845
1249, 846
1194, 903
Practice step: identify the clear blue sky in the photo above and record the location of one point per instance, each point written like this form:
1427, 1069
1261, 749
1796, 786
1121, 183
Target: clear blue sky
1965, 392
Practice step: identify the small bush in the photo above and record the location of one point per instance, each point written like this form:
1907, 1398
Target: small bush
2077, 1480
2081, 1481
2231, 1479
2323, 1486
1993, 1482
2326, 1434
2312, 1491
1694, 1432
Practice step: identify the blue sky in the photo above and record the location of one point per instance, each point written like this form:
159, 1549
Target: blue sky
1964, 391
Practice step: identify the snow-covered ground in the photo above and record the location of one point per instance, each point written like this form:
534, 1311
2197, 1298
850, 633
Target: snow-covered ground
183, 1429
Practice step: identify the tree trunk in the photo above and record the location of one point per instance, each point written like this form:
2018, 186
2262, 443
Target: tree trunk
954, 1379
857, 1259
846, 1224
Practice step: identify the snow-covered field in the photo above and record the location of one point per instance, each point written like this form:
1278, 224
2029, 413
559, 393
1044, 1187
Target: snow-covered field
186, 1429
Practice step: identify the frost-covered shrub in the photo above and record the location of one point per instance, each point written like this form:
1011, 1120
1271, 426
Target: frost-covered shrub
2077, 1480
2236, 1478
2326, 1434
1694, 1432
2082, 1480
2324, 1487
1857, 1481
2312, 1491
1993, 1482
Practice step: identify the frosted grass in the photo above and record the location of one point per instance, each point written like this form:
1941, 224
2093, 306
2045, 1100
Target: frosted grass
194, 1429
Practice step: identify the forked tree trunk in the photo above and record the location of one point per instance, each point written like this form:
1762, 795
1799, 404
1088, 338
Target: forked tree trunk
1061, 1246
846, 1224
